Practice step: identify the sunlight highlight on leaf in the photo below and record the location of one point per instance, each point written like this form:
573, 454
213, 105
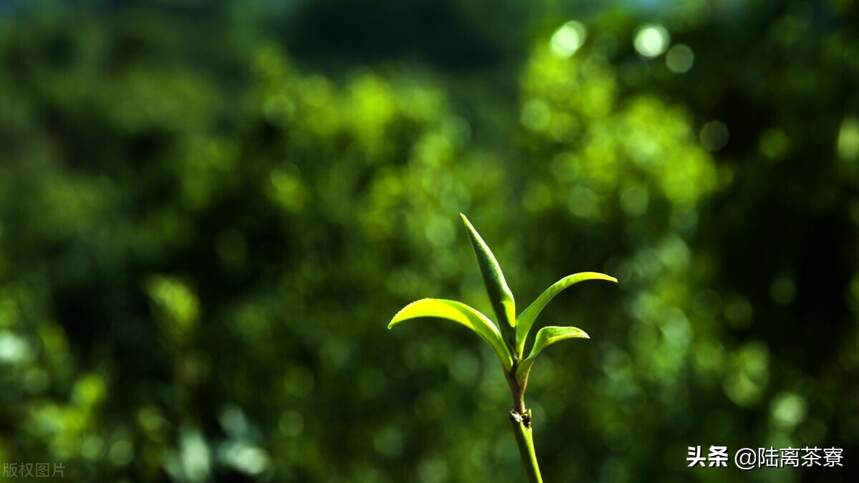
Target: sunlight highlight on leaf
460, 313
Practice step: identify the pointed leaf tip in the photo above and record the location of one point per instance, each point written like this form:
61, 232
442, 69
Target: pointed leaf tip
499, 292
546, 337
552, 334
528, 316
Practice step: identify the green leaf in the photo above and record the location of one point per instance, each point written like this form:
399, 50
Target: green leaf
496, 286
546, 337
529, 315
462, 314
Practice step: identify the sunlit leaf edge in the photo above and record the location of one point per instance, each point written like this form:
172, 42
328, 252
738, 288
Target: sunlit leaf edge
460, 313
528, 316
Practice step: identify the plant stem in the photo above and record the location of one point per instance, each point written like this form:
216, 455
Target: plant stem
525, 441
520, 418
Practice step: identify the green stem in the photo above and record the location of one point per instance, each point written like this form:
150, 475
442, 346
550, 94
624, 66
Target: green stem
525, 441
520, 417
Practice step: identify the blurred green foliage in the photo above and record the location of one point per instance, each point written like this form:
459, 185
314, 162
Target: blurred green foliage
210, 210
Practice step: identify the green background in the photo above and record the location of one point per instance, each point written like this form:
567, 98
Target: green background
209, 211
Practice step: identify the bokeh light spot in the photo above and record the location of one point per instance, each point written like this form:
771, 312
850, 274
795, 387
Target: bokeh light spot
245, 457
194, 461
91, 447
651, 40
848, 139
568, 39
291, 423
389, 441
536, 115
788, 409
432, 470
121, 452
679, 59
774, 143
738, 311
749, 376
13, 348
440, 231
634, 200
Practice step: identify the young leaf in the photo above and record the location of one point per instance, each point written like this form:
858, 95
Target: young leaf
496, 286
546, 337
462, 314
529, 315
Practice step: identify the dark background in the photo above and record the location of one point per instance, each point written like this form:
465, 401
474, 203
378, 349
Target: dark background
209, 211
